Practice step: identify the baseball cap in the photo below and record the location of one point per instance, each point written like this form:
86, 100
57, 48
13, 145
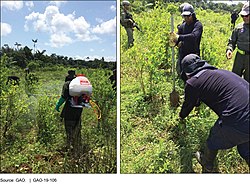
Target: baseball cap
245, 9
188, 9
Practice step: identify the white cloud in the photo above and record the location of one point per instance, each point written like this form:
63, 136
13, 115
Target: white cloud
82, 30
60, 26
99, 20
29, 4
91, 50
113, 8
12, 5
86, 37
81, 25
110, 58
57, 3
59, 40
5, 29
62, 23
106, 27
92, 57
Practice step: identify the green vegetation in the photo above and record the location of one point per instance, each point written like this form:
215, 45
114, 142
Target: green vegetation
23, 57
152, 139
32, 134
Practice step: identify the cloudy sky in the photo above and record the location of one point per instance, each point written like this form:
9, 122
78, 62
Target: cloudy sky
77, 29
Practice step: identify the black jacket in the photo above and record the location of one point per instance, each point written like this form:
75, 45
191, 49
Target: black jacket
190, 35
224, 92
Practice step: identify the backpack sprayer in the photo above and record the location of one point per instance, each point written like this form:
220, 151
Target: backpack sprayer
80, 89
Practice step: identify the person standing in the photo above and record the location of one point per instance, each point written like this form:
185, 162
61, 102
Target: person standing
227, 95
234, 17
239, 40
71, 114
127, 22
189, 35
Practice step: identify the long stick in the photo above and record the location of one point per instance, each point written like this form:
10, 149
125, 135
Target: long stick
173, 65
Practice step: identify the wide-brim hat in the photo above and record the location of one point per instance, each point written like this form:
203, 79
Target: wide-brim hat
245, 9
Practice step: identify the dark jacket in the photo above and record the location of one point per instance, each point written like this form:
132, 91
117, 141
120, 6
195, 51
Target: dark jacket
234, 17
239, 38
69, 113
190, 35
223, 91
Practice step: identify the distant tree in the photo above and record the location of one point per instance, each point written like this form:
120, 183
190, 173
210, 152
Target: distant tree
28, 53
17, 45
34, 41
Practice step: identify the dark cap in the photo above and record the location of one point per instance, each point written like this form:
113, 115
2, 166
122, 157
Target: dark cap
188, 9
72, 72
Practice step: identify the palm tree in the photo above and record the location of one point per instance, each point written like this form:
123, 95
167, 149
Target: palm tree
17, 45
6, 45
34, 41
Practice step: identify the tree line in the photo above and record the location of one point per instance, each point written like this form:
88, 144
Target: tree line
139, 6
23, 57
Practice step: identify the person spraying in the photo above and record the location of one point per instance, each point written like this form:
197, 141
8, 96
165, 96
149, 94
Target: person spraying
76, 93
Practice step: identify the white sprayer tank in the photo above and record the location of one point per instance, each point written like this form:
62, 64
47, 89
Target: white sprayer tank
80, 85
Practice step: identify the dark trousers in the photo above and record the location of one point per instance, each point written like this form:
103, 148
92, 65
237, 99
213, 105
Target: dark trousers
73, 133
227, 135
130, 37
241, 66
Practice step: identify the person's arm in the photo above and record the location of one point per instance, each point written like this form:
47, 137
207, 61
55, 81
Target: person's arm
231, 44
196, 33
64, 96
125, 19
180, 28
59, 103
191, 99
232, 41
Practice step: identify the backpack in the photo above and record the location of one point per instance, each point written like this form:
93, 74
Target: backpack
80, 90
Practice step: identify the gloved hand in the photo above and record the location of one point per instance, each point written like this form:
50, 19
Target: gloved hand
173, 38
229, 54
59, 103
57, 108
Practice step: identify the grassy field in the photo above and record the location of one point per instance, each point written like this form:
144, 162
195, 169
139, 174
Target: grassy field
152, 139
35, 138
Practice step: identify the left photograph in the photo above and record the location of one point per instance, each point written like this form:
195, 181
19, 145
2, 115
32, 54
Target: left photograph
58, 94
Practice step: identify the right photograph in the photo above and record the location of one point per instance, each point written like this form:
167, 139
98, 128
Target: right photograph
184, 87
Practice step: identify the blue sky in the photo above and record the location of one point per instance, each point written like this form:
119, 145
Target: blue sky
76, 29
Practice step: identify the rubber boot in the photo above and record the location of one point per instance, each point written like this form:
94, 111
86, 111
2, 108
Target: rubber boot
206, 159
